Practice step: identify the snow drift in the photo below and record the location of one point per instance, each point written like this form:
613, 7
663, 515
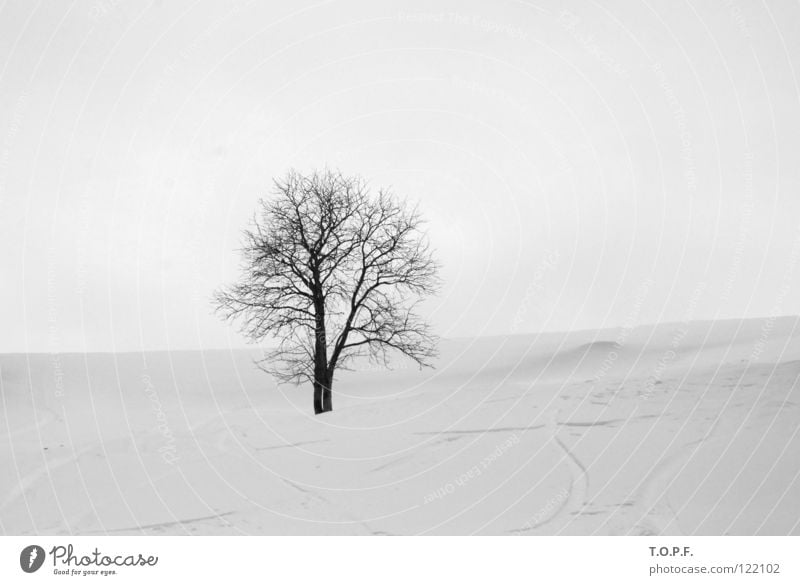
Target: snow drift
688, 428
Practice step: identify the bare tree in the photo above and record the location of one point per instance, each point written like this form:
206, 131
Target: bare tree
332, 273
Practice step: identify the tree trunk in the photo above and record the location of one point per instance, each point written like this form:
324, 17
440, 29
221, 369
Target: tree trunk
327, 403
322, 394
318, 406
321, 384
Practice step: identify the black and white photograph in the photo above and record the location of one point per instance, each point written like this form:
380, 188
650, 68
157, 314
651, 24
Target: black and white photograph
376, 268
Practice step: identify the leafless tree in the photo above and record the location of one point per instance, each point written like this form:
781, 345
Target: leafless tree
332, 273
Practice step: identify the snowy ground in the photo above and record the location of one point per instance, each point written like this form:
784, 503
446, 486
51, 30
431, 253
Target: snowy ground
675, 429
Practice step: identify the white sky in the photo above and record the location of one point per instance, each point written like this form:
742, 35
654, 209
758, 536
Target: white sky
566, 154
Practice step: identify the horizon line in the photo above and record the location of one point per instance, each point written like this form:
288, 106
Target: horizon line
458, 338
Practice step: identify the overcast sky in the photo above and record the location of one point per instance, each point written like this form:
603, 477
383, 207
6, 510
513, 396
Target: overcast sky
581, 165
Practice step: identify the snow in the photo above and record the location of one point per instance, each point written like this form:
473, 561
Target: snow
683, 428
